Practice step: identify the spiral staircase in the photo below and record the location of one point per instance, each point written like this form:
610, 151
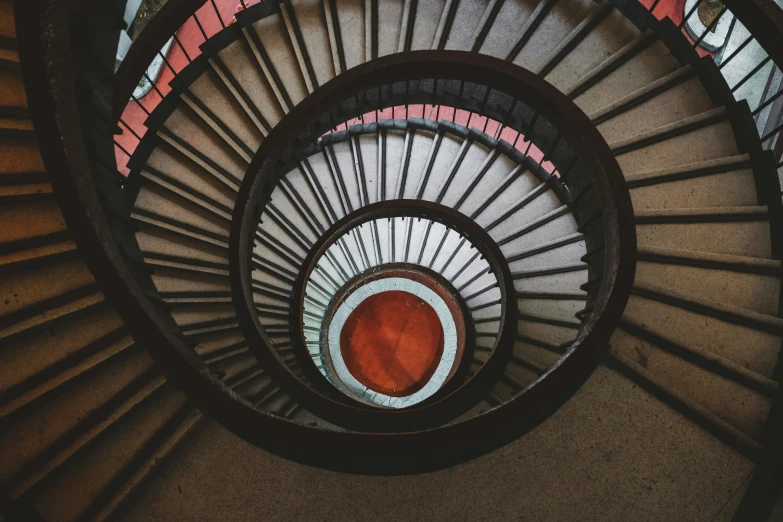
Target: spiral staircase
570, 177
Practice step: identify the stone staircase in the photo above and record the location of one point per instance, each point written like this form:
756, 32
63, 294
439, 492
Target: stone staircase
668, 427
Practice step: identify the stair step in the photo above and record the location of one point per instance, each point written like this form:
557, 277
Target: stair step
639, 63
36, 431
747, 338
704, 359
87, 487
269, 37
26, 254
692, 410
26, 219
67, 446
740, 231
717, 309
611, 31
12, 91
749, 283
27, 290
672, 99
40, 362
547, 30
244, 77
7, 25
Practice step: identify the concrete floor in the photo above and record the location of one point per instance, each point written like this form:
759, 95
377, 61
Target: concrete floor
392, 343
574, 466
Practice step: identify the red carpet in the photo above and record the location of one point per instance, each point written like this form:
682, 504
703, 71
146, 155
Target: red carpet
392, 343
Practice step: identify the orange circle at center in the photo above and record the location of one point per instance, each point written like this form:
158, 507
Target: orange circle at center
392, 343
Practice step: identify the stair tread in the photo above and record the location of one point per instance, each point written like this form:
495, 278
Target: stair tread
694, 410
723, 308
750, 262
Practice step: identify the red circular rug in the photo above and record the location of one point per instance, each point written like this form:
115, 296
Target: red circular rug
392, 343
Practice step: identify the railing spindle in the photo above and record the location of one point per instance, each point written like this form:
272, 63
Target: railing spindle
690, 13
220, 19
167, 63
769, 101
122, 149
200, 28
710, 28
140, 105
771, 133
736, 51
176, 39
751, 73
153, 85
130, 129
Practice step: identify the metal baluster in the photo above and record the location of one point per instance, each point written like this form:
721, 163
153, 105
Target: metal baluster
459, 99
564, 174
464, 267
484, 109
769, 101
532, 133
392, 237
218, 14
710, 28
140, 105
548, 154
153, 85
771, 133
123, 149
176, 39
424, 242
751, 73
167, 63
485, 305
130, 129
440, 245
482, 291
408, 239
377, 241
736, 51
690, 13
407, 86
473, 279
452, 256
198, 23
362, 250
